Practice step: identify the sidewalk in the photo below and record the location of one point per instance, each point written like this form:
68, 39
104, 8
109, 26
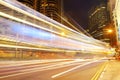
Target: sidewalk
111, 71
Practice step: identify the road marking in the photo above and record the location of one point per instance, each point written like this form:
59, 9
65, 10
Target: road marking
63, 64
98, 73
101, 76
59, 74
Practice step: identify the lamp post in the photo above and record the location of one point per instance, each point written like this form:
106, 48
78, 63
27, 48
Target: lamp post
110, 31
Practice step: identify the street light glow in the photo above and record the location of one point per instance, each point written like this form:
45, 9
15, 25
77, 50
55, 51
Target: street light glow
110, 31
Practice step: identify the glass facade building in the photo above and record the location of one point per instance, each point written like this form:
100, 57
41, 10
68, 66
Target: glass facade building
50, 8
29, 3
99, 19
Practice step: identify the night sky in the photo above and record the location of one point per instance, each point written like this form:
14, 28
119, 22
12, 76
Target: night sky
78, 10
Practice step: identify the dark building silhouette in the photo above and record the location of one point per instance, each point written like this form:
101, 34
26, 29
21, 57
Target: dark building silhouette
99, 19
50, 8
29, 3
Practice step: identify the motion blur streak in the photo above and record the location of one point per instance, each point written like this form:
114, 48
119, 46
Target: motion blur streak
46, 32
24, 69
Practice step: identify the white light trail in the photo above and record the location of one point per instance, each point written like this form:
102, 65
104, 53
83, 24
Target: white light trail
49, 67
71, 40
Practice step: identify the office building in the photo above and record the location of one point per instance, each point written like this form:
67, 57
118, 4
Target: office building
29, 3
50, 8
116, 20
99, 19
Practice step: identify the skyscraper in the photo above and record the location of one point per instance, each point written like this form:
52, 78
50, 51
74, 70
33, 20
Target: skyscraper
99, 19
50, 8
116, 20
29, 3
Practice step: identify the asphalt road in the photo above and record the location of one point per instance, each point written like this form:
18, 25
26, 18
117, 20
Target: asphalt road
111, 71
75, 69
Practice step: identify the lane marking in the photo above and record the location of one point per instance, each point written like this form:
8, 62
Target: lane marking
98, 73
42, 68
24, 68
11, 68
101, 76
62, 73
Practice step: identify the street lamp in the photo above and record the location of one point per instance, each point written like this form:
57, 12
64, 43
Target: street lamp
109, 30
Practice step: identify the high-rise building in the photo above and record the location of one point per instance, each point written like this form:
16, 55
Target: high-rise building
114, 39
50, 8
29, 3
116, 19
99, 19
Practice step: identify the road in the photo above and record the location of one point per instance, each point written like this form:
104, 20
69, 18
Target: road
70, 69
111, 71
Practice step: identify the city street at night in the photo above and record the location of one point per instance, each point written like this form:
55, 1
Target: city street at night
51, 69
59, 39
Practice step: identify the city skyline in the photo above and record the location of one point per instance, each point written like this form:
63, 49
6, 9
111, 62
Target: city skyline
36, 46
77, 10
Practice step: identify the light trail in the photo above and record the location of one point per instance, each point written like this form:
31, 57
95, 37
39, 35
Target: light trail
20, 63
52, 40
31, 70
